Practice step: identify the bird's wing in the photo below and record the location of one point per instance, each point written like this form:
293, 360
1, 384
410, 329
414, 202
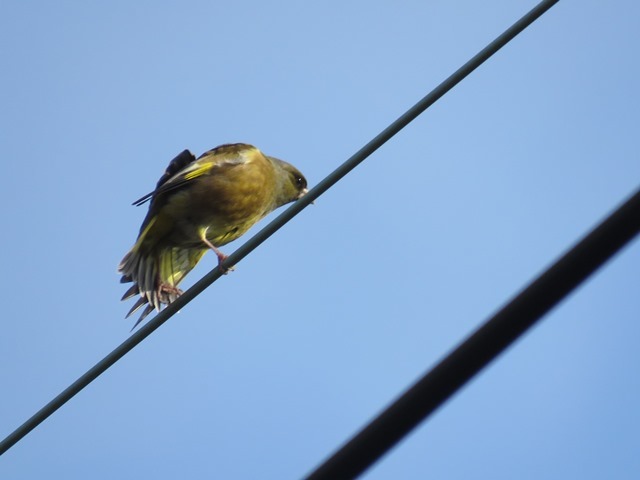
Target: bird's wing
182, 160
185, 168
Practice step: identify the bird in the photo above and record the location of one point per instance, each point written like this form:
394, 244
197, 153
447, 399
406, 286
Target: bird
199, 205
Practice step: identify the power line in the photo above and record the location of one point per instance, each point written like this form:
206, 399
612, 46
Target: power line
484, 345
274, 226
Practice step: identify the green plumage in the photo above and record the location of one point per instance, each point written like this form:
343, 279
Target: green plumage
200, 205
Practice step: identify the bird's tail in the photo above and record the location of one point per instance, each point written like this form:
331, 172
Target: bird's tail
156, 274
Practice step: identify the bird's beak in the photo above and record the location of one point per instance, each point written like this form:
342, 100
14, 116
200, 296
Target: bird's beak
303, 193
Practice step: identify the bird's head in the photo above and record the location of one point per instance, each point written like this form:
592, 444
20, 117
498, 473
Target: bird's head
291, 183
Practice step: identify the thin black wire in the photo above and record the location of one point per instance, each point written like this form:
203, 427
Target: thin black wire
484, 345
274, 226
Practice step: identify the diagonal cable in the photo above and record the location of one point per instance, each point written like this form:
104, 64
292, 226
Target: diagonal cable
484, 345
274, 225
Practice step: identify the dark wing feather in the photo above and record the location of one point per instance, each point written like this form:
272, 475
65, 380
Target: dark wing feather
184, 168
183, 159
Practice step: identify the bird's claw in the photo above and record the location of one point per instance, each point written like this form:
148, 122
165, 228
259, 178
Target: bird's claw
221, 258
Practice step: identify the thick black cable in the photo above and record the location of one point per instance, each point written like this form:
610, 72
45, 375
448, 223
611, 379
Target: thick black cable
273, 226
484, 345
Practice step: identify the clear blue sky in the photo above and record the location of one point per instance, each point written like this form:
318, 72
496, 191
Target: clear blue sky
278, 363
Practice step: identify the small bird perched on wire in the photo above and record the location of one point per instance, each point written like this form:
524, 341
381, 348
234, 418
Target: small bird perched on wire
199, 205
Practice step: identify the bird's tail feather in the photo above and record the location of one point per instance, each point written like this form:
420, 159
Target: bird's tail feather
156, 275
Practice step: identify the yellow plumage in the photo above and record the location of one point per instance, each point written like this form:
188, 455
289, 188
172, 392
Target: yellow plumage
201, 204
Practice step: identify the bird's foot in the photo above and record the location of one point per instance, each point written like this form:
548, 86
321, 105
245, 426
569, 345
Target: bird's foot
221, 258
168, 293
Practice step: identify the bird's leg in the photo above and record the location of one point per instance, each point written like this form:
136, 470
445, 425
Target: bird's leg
221, 256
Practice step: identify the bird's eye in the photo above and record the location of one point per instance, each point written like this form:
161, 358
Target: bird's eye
300, 182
